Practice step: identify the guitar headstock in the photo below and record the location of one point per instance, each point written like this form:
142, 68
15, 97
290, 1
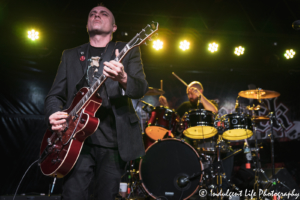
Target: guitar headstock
145, 34
139, 39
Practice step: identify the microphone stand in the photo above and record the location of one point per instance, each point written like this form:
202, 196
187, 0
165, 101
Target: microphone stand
183, 181
219, 175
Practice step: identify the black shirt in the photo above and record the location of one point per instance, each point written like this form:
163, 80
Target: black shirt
186, 106
106, 134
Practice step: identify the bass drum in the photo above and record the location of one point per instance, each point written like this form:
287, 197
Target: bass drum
164, 163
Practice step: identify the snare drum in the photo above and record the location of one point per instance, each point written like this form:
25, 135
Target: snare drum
161, 121
199, 124
165, 162
237, 127
209, 146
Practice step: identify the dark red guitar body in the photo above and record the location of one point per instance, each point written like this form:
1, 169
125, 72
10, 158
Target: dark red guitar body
59, 158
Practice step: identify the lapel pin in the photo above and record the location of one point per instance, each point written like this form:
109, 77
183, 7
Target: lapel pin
82, 58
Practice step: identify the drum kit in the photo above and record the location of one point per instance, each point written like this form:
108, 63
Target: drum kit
183, 155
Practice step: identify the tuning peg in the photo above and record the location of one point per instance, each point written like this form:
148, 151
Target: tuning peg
150, 39
145, 43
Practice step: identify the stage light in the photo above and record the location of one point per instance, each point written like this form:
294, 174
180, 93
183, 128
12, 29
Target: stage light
33, 35
289, 53
184, 45
239, 50
213, 47
157, 44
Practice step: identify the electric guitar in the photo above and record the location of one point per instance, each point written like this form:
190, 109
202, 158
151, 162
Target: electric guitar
60, 150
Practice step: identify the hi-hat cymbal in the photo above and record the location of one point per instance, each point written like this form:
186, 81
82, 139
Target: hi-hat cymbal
154, 91
261, 118
253, 108
259, 94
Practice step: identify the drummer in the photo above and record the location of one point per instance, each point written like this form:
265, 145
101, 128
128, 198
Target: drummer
196, 100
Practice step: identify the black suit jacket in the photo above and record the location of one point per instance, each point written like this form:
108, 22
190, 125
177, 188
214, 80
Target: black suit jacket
68, 81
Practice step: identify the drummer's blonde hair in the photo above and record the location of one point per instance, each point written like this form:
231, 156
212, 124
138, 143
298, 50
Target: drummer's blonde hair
196, 84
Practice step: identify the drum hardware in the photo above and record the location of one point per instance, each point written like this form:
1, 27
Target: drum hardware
154, 91
247, 151
253, 108
257, 162
147, 107
237, 104
258, 118
213, 175
218, 175
135, 189
270, 117
273, 117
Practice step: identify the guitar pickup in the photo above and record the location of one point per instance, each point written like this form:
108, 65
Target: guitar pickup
75, 117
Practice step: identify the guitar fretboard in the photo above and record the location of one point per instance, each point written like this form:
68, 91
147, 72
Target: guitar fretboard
136, 41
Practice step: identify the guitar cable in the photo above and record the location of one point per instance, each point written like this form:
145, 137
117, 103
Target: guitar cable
24, 176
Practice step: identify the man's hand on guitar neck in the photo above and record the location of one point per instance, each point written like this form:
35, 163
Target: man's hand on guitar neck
115, 71
58, 121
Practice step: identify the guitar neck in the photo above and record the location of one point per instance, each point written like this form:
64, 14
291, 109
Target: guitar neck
96, 86
135, 41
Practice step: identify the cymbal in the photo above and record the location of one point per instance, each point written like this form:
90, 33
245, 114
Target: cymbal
261, 118
154, 91
259, 94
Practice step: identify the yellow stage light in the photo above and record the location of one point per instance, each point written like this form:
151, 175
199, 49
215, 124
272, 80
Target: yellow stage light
184, 45
157, 44
289, 53
33, 35
213, 47
239, 50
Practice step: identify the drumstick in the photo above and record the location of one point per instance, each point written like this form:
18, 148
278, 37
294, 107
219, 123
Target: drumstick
180, 79
161, 86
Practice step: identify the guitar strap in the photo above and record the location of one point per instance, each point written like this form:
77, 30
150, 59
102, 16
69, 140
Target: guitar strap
106, 56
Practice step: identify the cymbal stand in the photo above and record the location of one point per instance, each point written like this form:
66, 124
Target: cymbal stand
271, 116
218, 147
219, 165
257, 163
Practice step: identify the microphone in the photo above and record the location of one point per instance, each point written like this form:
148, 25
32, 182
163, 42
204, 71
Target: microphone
182, 181
296, 25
